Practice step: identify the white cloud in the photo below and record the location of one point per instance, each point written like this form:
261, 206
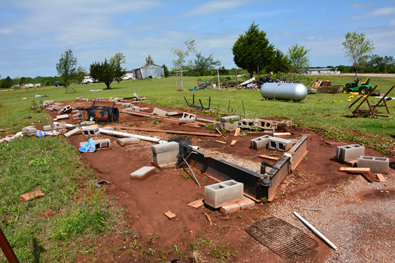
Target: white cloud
213, 7
391, 23
360, 6
387, 11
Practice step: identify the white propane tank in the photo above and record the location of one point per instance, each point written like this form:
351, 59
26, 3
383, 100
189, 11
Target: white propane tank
284, 91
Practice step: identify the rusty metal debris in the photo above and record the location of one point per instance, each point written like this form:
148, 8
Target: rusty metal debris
100, 111
281, 237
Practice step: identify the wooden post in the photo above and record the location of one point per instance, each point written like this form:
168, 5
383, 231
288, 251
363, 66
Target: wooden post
7, 250
237, 83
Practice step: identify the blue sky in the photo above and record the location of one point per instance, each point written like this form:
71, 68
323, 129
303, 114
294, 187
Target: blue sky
34, 34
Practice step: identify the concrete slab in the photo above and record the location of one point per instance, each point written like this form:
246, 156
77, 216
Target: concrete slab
61, 117
72, 132
142, 173
127, 141
158, 111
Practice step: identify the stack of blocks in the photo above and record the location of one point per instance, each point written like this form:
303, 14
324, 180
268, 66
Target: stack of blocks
165, 153
230, 123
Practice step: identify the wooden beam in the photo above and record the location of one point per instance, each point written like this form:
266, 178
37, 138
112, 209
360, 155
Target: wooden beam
269, 157
221, 142
355, 170
167, 131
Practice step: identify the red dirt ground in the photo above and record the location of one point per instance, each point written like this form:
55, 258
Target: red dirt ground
147, 201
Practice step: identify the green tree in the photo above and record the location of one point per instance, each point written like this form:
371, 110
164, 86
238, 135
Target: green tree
106, 72
388, 62
357, 47
22, 81
166, 70
298, 60
66, 67
149, 60
202, 64
279, 63
253, 50
116, 61
182, 53
81, 73
7, 83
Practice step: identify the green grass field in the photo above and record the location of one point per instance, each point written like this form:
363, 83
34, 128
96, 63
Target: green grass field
82, 211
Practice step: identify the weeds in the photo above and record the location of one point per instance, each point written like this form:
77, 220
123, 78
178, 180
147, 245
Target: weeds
222, 251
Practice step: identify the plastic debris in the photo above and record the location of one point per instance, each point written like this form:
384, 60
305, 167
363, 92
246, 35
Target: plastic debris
89, 146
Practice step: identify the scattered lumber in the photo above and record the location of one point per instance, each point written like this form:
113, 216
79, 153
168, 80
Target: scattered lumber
269, 157
381, 178
196, 204
170, 215
354, 170
221, 142
167, 131
233, 142
208, 218
279, 134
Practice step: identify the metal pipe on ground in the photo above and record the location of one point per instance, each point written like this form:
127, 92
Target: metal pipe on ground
124, 134
318, 233
7, 250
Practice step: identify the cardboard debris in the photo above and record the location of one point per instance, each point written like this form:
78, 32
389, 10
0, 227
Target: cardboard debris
32, 195
196, 204
170, 215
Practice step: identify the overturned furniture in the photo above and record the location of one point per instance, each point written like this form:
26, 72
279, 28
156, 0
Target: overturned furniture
201, 107
256, 186
100, 111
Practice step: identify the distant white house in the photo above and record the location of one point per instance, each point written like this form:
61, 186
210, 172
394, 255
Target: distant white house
31, 85
321, 71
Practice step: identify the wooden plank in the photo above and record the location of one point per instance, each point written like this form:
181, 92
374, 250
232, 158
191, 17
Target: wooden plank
170, 215
381, 177
167, 131
196, 204
208, 218
278, 134
237, 132
354, 170
218, 131
269, 157
221, 142
233, 142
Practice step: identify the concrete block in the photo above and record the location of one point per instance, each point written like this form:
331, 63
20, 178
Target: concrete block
165, 153
90, 131
227, 118
51, 102
72, 132
56, 107
58, 103
279, 144
220, 194
100, 144
188, 118
246, 203
126, 105
127, 141
29, 130
87, 123
159, 112
65, 109
349, 152
61, 117
260, 142
59, 125
47, 127
77, 116
376, 164
135, 108
142, 173
172, 113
